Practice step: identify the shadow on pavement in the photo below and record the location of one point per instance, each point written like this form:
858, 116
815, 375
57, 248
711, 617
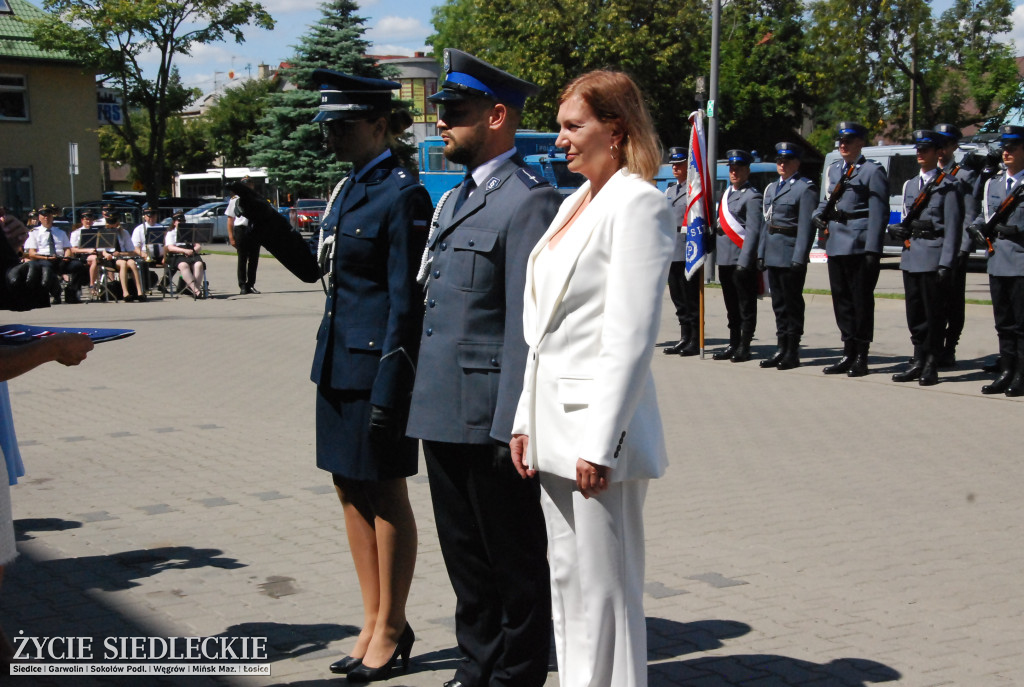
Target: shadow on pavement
668, 638
25, 525
768, 670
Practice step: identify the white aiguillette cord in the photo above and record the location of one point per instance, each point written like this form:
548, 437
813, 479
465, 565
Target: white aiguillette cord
421, 275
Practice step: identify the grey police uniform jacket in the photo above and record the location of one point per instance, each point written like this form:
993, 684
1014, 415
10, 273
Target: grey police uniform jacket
966, 180
945, 211
790, 208
1008, 258
472, 351
677, 199
745, 205
867, 192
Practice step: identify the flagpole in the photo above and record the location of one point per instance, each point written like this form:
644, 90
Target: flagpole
700, 324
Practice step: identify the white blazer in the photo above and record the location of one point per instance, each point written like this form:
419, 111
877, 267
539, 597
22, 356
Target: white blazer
588, 391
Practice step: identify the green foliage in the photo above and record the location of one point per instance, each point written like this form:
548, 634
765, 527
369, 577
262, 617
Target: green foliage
287, 143
186, 147
230, 122
114, 36
662, 45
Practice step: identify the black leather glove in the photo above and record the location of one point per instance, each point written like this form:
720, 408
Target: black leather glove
274, 232
502, 454
898, 232
819, 223
943, 273
761, 267
872, 260
740, 269
977, 232
386, 424
962, 259
798, 266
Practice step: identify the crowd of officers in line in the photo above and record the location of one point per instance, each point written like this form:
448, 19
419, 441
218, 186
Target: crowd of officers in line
102, 254
948, 210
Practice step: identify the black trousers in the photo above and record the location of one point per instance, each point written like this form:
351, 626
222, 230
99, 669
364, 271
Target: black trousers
739, 291
1008, 309
853, 296
685, 296
494, 544
248, 249
956, 295
925, 300
787, 287
76, 271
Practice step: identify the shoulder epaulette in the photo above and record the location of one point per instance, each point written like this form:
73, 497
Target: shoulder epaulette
402, 177
530, 179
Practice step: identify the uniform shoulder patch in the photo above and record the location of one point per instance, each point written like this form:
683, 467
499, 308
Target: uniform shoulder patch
530, 179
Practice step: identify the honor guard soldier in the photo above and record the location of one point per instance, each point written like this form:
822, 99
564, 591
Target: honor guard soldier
685, 293
948, 137
470, 376
739, 228
786, 238
853, 215
931, 233
1003, 225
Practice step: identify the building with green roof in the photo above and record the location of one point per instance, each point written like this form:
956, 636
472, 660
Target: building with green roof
47, 101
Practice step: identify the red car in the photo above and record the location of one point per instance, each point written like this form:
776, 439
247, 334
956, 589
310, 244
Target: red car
308, 214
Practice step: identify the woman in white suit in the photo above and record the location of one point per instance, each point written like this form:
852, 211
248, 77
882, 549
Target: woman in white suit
588, 418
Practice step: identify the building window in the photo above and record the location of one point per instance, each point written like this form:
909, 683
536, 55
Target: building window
13, 98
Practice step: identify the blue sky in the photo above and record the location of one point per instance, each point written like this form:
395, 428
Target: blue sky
395, 27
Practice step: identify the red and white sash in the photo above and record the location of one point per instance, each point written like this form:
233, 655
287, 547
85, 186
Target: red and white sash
729, 224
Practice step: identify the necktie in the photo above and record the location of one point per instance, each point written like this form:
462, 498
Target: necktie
467, 187
53, 245
1009, 184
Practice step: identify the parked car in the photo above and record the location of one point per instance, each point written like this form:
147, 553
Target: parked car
210, 214
309, 212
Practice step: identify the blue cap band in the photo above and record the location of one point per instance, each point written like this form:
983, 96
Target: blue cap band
511, 97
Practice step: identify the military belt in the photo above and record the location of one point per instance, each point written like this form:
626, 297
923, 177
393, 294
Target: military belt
924, 229
785, 231
843, 216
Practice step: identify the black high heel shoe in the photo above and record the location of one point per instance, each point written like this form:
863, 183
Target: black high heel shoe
346, 665
364, 673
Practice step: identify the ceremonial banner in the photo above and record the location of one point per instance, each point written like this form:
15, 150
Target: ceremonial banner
698, 188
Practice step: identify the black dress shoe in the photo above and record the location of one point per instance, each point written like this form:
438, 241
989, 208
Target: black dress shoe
454, 683
252, 289
364, 673
345, 665
725, 354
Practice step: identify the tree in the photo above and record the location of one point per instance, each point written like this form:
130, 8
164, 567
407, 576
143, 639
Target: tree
114, 37
662, 45
288, 144
230, 122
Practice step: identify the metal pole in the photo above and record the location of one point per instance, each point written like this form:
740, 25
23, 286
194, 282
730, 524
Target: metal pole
712, 161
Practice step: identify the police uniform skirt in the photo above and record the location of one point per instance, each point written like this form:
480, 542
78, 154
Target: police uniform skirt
343, 443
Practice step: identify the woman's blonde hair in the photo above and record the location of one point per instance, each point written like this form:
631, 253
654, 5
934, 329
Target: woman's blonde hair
616, 99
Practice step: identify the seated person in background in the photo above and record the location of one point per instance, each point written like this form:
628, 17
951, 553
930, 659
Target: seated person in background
122, 258
51, 245
185, 258
88, 217
150, 252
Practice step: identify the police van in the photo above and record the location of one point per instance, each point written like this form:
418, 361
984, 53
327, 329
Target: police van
900, 164
438, 174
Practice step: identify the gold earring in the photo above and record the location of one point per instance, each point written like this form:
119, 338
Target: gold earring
614, 151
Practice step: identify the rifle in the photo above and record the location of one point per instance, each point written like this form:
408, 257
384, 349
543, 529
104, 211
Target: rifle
904, 230
985, 231
822, 219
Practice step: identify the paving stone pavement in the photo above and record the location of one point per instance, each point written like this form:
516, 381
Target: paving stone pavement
811, 530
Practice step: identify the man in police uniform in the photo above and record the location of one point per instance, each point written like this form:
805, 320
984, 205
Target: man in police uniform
931, 242
247, 247
470, 375
685, 293
785, 246
739, 229
855, 234
1006, 264
949, 137
51, 245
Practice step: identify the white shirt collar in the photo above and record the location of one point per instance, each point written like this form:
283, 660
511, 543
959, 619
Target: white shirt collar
481, 173
928, 176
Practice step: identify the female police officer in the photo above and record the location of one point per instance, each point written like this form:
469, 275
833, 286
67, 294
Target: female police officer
366, 350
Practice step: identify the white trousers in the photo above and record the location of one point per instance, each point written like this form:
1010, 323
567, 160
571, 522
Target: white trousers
596, 555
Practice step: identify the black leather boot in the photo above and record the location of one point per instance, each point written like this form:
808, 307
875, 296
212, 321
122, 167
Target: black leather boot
930, 371
914, 371
859, 367
1006, 374
844, 363
791, 358
1016, 387
727, 352
742, 353
779, 353
692, 346
678, 347
948, 358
